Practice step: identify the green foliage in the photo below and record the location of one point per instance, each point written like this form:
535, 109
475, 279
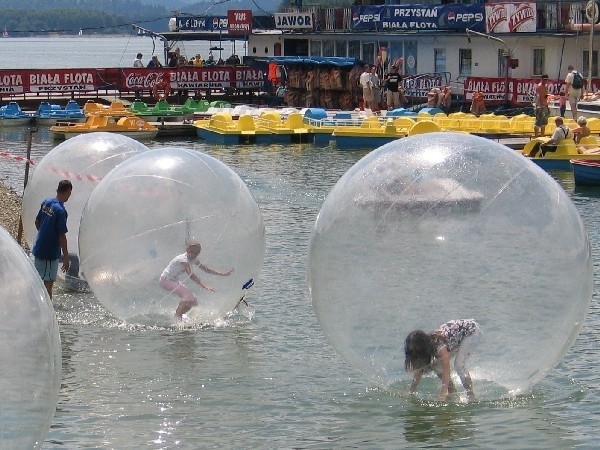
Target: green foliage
69, 16
32, 17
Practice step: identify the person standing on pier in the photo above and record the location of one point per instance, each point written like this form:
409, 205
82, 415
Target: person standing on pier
393, 90
137, 62
541, 107
574, 89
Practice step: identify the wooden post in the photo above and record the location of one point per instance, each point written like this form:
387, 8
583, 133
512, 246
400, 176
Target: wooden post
30, 131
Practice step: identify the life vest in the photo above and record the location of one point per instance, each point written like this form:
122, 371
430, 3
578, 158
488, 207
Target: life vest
274, 74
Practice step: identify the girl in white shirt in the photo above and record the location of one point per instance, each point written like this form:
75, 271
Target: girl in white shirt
169, 279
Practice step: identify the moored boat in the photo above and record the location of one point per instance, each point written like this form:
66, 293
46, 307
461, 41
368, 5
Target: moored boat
222, 129
131, 126
566, 152
12, 115
284, 129
49, 114
162, 111
586, 172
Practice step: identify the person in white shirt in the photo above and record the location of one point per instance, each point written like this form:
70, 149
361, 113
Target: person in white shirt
561, 133
182, 264
376, 83
367, 86
137, 62
574, 89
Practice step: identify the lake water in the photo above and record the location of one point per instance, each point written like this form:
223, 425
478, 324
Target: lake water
269, 378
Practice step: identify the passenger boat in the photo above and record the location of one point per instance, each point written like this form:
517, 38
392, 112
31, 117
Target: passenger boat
11, 115
586, 172
49, 114
131, 126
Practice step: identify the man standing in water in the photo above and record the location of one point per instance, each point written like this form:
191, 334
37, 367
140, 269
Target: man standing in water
541, 107
51, 223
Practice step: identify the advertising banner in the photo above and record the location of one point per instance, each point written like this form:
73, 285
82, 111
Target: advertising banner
60, 80
219, 77
419, 86
521, 91
508, 17
294, 21
12, 82
239, 21
201, 23
419, 17
23, 81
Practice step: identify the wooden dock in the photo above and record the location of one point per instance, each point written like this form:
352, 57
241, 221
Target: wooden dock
175, 129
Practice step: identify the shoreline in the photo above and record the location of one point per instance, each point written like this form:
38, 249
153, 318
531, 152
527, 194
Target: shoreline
10, 210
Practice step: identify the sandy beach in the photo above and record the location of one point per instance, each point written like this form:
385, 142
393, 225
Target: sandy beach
10, 210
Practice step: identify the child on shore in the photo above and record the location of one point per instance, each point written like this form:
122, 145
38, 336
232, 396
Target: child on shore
562, 103
169, 279
432, 351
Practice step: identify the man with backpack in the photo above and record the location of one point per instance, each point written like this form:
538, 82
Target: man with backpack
575, 84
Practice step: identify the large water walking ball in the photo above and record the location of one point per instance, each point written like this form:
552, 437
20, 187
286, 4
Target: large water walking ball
143, 214
30, 351
445, 226
84, 160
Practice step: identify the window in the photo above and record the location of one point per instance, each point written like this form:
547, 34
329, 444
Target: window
315, 48
501, 63
340, 48
465, 62
354, 49
328, 48
539, 61
368, 50
439, 60
586, 63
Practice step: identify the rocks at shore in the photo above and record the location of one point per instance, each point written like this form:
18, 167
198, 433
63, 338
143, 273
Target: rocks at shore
10, 210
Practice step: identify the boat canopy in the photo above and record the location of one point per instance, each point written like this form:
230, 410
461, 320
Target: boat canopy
316, 60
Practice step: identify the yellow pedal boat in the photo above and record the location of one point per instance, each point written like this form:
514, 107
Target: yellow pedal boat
131, 126
566, 150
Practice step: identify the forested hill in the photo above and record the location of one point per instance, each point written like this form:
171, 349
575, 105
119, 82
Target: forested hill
34, 17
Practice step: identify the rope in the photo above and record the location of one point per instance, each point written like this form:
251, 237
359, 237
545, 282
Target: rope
16, 157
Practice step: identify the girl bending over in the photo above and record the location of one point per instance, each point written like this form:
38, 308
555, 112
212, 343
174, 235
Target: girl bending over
432, 351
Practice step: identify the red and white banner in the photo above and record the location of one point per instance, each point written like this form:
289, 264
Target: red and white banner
217, 77
521, 91
61, 80
510, 17
239, 21
50, 80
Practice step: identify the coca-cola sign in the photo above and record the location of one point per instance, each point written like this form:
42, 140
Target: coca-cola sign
144, 79
183, 78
